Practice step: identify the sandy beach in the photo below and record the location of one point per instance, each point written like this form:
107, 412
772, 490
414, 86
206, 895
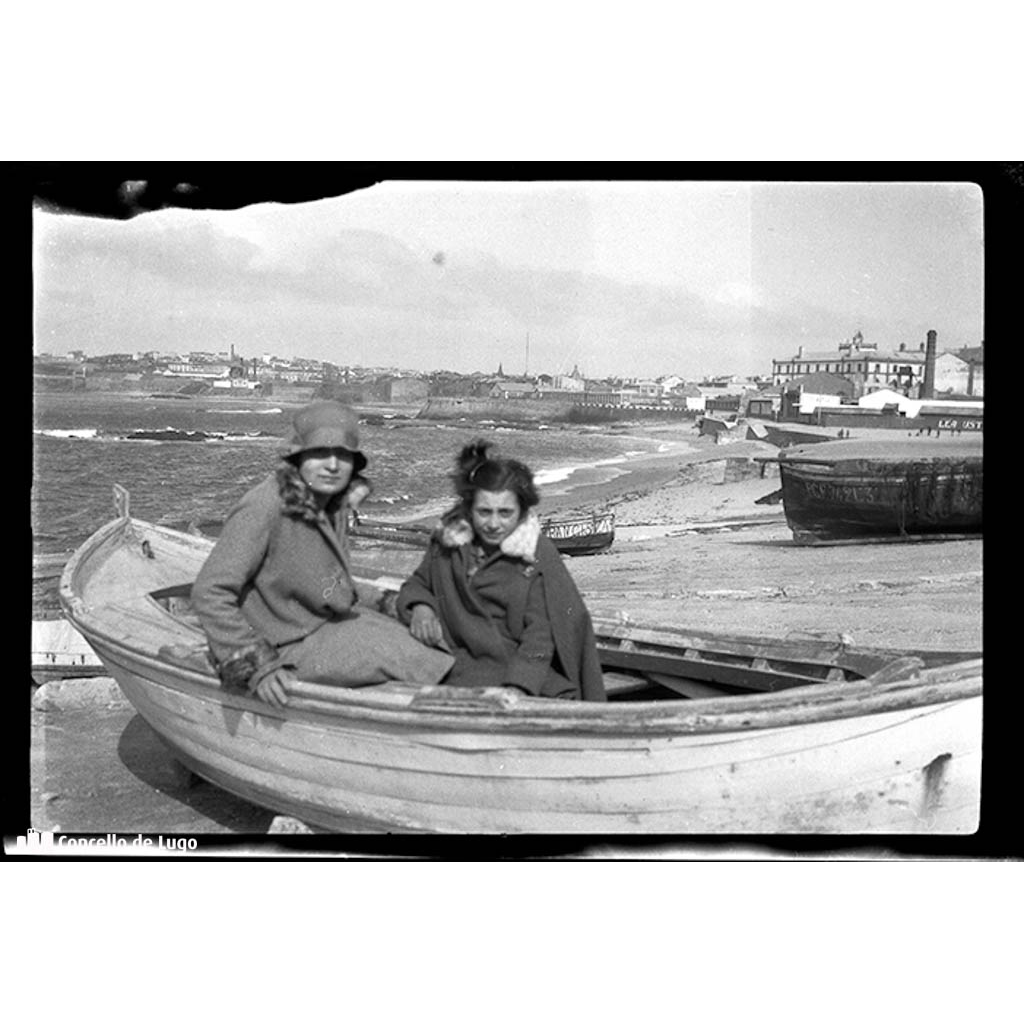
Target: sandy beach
694, 548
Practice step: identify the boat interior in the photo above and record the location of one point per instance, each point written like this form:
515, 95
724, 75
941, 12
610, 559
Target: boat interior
652, 664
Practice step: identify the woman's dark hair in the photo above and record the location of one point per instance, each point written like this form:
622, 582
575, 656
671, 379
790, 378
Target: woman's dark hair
476, 471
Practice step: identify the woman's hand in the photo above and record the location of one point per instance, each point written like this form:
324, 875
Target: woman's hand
270, 689
425, 626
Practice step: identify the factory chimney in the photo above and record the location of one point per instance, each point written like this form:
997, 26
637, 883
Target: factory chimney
928, 384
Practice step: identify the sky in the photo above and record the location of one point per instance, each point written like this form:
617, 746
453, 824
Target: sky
615, 278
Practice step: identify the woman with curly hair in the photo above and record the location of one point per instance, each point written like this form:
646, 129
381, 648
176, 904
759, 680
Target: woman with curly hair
493, 590
276, 596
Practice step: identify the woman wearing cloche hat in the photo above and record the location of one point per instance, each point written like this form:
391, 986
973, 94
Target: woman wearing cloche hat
276, 596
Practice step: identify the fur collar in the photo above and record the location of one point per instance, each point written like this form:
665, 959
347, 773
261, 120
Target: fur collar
457, 531
297, 499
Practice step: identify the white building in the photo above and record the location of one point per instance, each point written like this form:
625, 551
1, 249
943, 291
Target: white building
951, 374
859, 361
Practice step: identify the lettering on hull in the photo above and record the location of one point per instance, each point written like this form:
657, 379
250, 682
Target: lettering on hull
583, 528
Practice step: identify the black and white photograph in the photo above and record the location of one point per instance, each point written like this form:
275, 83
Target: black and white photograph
504, 511
610, 505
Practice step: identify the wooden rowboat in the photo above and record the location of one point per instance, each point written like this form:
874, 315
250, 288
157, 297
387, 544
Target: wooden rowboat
920, 488
586, 534
701, 733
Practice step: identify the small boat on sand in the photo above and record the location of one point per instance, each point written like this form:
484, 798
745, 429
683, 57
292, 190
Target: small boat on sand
701, 734
585, 534
866, 490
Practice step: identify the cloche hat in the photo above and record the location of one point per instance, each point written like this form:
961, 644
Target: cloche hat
326, 424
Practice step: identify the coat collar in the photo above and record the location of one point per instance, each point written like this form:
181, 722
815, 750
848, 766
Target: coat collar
520, 543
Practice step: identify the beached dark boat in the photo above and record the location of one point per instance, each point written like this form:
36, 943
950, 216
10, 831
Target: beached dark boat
585, 534
701, 733
854, 490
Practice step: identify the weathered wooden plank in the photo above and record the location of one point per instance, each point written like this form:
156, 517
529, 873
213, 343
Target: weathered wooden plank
704, 668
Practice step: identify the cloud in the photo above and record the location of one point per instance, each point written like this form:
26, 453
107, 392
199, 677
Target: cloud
137, 271
181, 281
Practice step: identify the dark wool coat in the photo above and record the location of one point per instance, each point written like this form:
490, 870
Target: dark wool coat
278, 571
518, 620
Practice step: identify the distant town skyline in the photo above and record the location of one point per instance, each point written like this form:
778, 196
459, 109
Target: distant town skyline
273, 358
639, 279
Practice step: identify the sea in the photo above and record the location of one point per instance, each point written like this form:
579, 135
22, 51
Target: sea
185, 463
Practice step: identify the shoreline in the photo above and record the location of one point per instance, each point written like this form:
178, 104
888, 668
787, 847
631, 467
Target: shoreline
587, 487
649, 474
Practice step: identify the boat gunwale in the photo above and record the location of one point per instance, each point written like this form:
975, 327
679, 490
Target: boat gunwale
874, 470
652, 720
880, 454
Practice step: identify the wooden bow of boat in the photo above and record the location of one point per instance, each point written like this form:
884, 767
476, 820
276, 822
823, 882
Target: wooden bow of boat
701, 732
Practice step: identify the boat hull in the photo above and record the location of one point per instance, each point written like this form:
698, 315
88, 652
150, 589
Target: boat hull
834, 494
907, 771
587, 544
581, 535
575, 535
896, 753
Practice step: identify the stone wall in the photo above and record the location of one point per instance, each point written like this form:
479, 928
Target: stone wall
512, 410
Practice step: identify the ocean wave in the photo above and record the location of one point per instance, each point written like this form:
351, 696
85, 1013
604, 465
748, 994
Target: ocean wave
252, 435
391, 499
79, 434
175, 434
558, 474
166, 434
158, 435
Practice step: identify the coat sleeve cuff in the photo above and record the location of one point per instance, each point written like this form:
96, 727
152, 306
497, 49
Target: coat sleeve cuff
405, 602
246, 667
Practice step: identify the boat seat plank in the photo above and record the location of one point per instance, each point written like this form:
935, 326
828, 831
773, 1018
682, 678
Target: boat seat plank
687, 687
703, 669
633, 638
